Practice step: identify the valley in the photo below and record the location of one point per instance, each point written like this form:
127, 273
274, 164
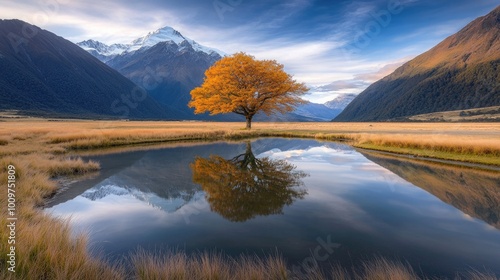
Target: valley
299, 140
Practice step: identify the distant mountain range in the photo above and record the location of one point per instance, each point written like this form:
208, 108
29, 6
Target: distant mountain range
48, 75
165, 34
169, 65
339, 103
462, 72
312, 112
164, 62
149, 78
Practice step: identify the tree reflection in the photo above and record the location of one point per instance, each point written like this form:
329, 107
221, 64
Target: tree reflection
245, 186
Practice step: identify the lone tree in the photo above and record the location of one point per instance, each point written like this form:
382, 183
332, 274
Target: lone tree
243, 85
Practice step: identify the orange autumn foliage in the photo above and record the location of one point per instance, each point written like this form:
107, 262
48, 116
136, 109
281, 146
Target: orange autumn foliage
243, 85
244, 187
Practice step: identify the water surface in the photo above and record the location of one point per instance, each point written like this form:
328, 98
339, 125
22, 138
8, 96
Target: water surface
290, 196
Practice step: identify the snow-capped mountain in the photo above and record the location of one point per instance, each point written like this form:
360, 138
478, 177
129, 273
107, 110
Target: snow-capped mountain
166, 34
164, 62
341, 101
102, 51
169, 65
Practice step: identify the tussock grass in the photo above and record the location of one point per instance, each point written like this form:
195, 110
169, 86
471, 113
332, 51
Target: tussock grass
471, 140
130, 137
206, 265
465, 149
210, 265
486, 147
381, 268
45, 248
55, 166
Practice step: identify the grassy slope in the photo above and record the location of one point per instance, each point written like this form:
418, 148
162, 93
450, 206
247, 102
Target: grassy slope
471, 115
40, 150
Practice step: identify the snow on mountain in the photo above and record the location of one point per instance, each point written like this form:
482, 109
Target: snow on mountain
102, 51
165, 34
169, 205
341, 101
102, 48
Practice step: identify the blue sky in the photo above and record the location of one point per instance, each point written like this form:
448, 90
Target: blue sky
333, 46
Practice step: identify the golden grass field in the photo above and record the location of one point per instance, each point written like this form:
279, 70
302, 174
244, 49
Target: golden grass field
42, 150
468, 142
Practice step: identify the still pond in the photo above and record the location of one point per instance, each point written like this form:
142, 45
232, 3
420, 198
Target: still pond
301, 198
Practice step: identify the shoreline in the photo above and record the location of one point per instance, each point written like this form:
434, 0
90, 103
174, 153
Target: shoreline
472, 165
43, 150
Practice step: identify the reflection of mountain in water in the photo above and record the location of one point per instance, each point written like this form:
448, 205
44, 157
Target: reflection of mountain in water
474, 192
161, 174
167, 205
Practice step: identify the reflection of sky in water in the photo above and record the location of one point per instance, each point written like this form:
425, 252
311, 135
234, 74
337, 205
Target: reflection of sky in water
366, 208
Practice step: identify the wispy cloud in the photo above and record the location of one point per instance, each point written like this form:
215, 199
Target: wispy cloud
385, 70
315, 40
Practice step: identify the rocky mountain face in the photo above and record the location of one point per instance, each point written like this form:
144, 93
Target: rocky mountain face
462, 72
41, 73
165, 63
168, 71
102, 51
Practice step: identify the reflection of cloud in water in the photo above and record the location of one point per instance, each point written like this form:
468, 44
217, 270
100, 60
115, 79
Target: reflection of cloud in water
348, 173
323, 153
105, 202
363, 205
343, 158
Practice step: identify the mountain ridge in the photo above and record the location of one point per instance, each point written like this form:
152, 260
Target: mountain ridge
460, 73
48, 74
341, 101
169, 65
165, 34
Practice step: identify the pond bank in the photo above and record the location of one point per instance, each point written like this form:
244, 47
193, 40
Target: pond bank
41, 150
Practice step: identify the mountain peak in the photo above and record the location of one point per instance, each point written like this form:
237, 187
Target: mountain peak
167, 30
341, 101
165, 34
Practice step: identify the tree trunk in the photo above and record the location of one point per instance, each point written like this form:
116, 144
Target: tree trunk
249, 121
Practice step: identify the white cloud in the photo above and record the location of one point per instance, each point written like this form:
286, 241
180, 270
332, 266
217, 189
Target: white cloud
371, 77
317, 61
105, 21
